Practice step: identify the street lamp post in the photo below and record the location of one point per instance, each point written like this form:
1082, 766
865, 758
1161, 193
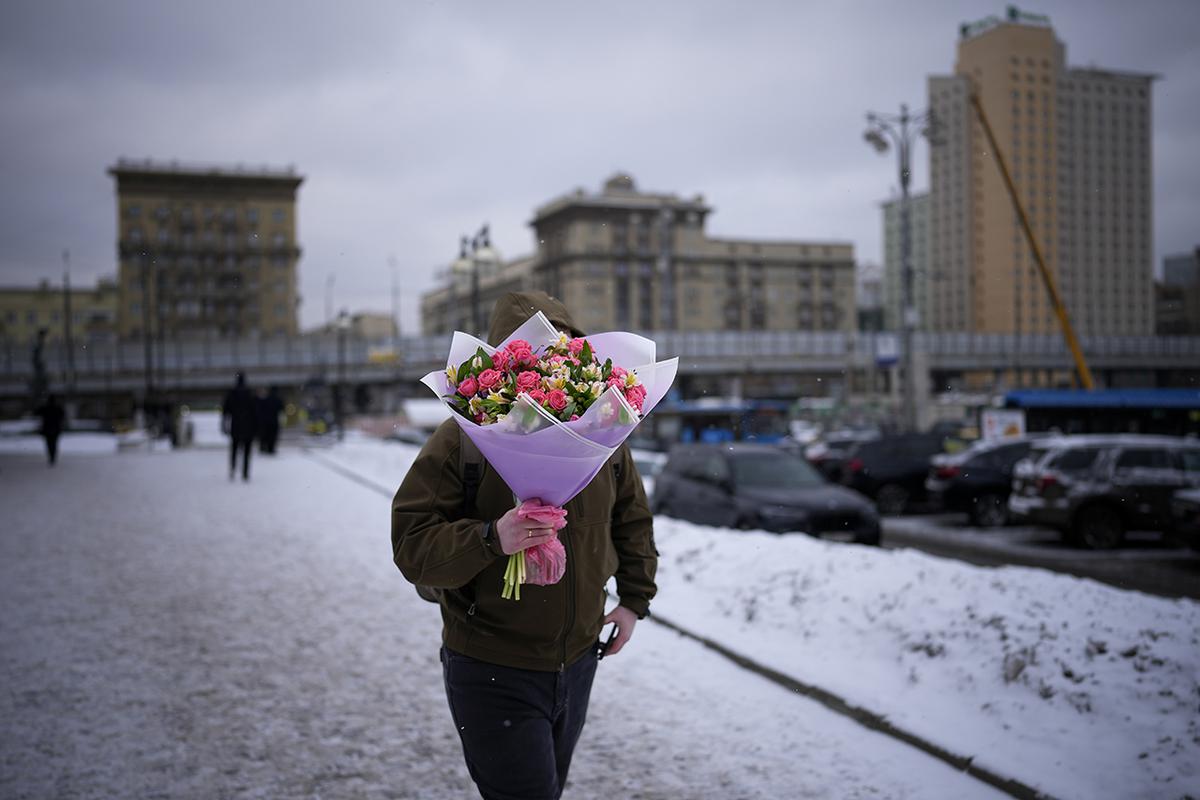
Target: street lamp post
902, 130
343, 325
479, 241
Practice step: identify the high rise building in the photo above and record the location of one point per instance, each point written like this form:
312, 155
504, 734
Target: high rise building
1077, 142
205, 250
893, 268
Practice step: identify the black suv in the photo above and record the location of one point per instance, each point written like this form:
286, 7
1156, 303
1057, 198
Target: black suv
978, 480
759, 486
891, 470
1094, 488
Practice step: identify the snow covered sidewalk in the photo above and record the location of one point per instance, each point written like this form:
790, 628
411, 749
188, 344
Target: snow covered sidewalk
1067, 685
167, 633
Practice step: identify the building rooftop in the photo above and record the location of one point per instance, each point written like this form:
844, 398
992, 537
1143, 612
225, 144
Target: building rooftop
620, 191
130, 166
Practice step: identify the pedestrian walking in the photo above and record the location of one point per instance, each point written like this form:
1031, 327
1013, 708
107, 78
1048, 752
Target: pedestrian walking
268, 408
239, 421
518, 675
52, 415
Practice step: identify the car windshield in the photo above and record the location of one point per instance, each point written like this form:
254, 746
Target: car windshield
773, 471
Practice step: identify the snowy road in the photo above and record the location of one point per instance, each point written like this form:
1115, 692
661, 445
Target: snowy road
166, 633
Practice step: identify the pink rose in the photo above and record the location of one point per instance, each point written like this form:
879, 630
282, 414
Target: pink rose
490, 378
574, 417
520, 352
500, 359
468, 387
576, 346
528, 380
636, 395
557, 399
537, 395
618, 373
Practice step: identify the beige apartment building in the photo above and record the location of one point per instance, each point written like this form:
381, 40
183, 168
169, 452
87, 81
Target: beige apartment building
206, 251
26, 310
622, 259
1078, 144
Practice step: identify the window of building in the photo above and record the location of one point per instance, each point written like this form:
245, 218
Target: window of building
252, 216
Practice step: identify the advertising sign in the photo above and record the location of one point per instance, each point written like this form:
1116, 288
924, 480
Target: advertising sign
1002, 423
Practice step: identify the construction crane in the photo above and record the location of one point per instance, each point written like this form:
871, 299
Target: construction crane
1060, 310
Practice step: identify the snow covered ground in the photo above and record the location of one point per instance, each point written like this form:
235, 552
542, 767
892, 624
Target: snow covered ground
1076, 688
167, 633
69, 444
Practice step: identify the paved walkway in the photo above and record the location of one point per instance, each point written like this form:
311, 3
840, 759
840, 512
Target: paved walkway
167, 633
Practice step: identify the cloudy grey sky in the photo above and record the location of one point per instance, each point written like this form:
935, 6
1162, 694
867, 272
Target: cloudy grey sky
415, 122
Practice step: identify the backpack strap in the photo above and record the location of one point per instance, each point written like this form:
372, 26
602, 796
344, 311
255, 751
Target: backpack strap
470, 467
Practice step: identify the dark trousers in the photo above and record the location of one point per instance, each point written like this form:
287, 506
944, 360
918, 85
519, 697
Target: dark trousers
518, 727
245, 445
267, 439
52, 446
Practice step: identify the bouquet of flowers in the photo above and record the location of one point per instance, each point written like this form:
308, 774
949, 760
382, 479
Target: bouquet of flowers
547, 411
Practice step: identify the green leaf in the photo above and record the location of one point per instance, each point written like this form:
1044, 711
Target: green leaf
606, 373
585, 355
485, 358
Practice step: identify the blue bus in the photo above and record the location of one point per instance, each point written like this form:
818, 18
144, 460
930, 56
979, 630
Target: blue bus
721, 421
1172, 412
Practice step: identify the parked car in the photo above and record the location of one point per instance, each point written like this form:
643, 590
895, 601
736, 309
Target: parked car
758, 486
649, 463
1095, 488
1185, 517
891, 470
829, 453
978, 480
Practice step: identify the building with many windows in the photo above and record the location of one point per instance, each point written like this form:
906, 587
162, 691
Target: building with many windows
206, 251
893, 267
622, 259
1177, 297
1077, 142
26, 310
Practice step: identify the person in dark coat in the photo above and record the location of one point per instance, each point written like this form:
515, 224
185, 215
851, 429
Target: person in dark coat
239, 420
518, 676
269, 408
52, 424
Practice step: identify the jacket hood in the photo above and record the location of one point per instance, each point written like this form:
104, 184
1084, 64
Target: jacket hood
514, 308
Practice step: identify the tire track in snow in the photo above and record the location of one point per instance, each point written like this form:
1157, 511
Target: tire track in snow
834, 702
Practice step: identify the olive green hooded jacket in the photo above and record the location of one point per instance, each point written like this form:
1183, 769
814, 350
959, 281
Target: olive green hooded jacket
609, 532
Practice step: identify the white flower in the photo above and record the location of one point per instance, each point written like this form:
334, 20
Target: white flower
597, 389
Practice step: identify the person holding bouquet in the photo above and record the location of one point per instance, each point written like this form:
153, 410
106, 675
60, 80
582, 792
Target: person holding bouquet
518, 672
